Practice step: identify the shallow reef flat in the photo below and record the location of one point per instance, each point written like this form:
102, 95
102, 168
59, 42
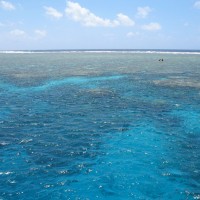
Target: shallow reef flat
99, 125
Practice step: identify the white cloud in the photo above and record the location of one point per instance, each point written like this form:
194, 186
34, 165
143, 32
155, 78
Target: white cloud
125, 20
142, 12
153, 26
40, 34
7, 5
197, 4
53, 12
132, 34
18, 33
87, 18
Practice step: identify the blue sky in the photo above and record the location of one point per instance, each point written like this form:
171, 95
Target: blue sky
99, 24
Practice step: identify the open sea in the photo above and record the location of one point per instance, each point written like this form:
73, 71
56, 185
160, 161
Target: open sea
107, 125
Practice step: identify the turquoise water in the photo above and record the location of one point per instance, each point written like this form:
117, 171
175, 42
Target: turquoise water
99, 125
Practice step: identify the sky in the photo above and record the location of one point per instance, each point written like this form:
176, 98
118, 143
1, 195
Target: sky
99, 24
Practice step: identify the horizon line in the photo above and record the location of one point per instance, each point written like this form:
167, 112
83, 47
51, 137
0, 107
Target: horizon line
102, 49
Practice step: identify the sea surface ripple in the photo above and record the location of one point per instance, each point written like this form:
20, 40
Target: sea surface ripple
99, 126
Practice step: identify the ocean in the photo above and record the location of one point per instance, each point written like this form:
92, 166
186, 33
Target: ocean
103, 124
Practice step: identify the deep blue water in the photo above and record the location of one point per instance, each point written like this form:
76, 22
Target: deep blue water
99, 126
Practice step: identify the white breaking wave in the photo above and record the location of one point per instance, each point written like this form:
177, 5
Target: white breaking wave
190, 52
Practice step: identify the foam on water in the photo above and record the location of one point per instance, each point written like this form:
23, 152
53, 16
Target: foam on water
100, 135
161, 51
